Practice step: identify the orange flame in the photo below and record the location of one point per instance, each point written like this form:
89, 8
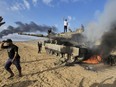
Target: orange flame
93, 59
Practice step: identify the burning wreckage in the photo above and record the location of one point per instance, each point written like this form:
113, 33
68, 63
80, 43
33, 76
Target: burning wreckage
72, 48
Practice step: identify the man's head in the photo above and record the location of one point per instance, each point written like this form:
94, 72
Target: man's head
65, 19
9, 42
39, 42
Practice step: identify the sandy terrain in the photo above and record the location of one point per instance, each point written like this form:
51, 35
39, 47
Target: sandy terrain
39, 71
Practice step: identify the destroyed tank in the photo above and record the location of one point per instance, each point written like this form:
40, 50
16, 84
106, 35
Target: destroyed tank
65, 46
61, 45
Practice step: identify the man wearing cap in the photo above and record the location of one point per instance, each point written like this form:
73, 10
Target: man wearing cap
13, 55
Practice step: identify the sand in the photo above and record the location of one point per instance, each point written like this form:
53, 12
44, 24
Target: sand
39, 71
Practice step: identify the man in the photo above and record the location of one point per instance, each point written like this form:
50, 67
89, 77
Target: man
13, 55
65, 25
82, 27
39, 47
49, 31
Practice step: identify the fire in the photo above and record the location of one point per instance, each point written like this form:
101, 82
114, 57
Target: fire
93, 59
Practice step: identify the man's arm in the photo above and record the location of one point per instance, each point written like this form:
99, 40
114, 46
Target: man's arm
16, 54
2, 46
67, 23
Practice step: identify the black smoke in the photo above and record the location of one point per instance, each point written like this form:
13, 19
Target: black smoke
108, 43
25, 27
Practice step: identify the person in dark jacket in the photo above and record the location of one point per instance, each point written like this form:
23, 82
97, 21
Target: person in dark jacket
13, 57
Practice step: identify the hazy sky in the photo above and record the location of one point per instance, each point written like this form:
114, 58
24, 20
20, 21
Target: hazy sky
51, 12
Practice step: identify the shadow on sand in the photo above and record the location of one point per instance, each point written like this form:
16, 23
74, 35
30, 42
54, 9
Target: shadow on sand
101, 84
21, 84
36, 60
40, 72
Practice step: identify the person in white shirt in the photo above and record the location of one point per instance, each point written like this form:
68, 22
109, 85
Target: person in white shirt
65, 25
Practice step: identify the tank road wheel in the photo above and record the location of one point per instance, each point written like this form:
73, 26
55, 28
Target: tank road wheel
50, 52
69, 60
56, 53
62, 55
59, 54
47, 51
72, 58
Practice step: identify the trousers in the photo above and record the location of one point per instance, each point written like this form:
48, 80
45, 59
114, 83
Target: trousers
16, 63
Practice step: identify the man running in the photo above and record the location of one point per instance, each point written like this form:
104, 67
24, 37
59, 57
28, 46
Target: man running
13, 55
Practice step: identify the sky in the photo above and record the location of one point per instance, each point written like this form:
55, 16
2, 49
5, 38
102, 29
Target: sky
51, 12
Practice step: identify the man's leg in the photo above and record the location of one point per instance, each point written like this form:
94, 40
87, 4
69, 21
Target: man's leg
17, 64
64, 29
7, 67
39, 49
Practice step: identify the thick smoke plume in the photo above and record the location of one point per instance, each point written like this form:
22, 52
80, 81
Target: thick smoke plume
24, 27
97, 28
108, 43
104, 30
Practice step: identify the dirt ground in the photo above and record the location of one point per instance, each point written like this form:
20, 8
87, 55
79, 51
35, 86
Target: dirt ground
39, 71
